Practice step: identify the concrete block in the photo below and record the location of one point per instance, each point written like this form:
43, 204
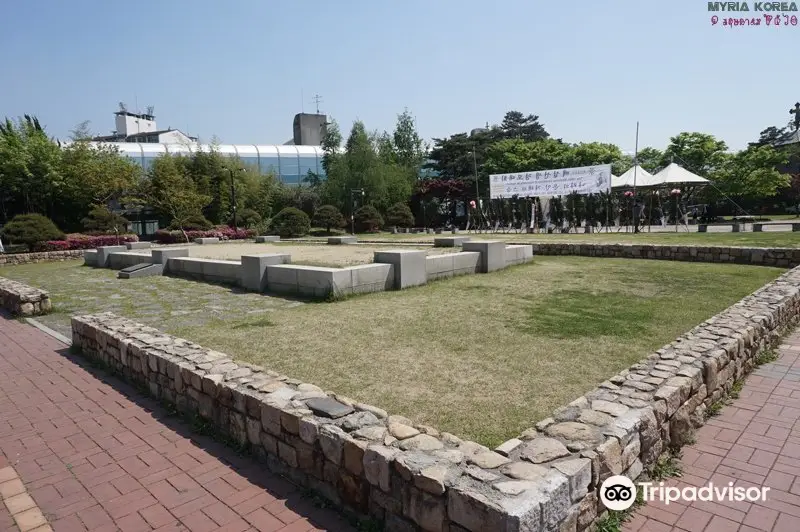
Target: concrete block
439, 267
466, 262
309, 281
371, 277
254, 269
222, 271
409, 266
118, 261
518, 254
342, 240
137, 245
186, 265
207, 240
493, 254
90, 257
104, 255
162, 256
702, 228
758, 228
267, 238
449, 241
147, 270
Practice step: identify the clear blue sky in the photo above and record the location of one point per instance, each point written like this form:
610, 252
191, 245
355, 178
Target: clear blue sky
236, 69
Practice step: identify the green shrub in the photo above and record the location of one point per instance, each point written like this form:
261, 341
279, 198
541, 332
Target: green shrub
247, 218
290, 222
400, 215
367, 220
31, 229
328, 217
197, 222
101, 220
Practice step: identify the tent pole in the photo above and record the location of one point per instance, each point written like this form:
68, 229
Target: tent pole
635, 164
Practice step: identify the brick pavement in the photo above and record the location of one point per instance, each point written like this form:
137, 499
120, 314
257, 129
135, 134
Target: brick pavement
755, 441
95, 454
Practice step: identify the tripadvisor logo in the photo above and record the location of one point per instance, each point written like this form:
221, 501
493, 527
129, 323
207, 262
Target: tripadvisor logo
619, 493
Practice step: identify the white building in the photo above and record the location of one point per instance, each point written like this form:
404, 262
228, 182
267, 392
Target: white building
141, 127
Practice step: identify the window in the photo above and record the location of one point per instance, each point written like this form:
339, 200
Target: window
308, 163
290, 169
269, 165
250, 161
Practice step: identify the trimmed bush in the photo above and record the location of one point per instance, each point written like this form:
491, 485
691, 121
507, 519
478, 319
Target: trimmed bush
328, 217
367, 220
399, 215
223, 232
290, 223
31, 229
246, 218
198, 222
81, 241
103, 221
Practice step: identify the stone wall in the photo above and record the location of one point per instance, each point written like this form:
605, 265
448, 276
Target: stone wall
23, 300
784, 257
412, 477
43, 256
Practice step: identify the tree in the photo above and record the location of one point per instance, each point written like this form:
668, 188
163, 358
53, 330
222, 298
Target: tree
291, 223
246, 218
751, 173
651, 159
101, 220
171, 191
81, 131
699, 153
516, 125
772, 136
399, 215
408, 146
31, 229
328, 216
331, 143
367, 219
516, 155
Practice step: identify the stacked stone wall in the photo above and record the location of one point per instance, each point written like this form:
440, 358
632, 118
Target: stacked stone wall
44, 256
23, 300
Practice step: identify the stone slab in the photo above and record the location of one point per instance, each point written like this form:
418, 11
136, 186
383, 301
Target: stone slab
117, 261
335, 240
254, 269
206, 240
146, 270
449, 241
267, 238
409, 266
138, 245
327, 407
90, 257
104, 255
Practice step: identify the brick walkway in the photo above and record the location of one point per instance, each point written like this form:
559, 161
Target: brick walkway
97, 455
755, 441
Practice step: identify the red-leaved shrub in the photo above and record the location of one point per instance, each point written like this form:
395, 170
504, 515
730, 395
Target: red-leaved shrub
81, 241
223, 232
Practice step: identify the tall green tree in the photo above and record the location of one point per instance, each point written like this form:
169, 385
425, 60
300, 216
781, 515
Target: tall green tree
699, 153
751, 173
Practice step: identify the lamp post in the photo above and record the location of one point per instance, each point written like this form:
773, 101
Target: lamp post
233, 196
353, 193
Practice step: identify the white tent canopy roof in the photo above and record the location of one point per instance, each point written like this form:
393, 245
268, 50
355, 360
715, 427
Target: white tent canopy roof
643, 178
674, 174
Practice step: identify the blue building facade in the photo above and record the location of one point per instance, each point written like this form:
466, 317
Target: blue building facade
290, 164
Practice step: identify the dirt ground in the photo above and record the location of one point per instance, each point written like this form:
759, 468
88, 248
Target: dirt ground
313, 254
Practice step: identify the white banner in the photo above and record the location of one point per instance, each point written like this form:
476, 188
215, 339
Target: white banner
544, 183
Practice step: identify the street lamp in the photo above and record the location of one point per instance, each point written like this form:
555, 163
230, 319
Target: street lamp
233, 196
353, 193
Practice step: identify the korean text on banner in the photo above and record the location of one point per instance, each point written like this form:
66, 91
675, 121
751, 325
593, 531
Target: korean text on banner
583, 180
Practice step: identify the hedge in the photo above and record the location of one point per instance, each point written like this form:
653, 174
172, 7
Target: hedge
223, 232
81, 241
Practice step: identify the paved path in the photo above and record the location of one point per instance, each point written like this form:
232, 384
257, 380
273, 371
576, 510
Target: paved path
94, 454
755, 441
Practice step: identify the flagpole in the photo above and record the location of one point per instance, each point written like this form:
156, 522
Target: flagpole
635, 164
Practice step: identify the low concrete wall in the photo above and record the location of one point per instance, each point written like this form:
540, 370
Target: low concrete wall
342, 240
452, 264
23, 300
412, 477
90, 257
123, 259
263, 239
518, 255
211, 270
42, 256
254, 269
206, 240
449, 241
784, 257
138, 245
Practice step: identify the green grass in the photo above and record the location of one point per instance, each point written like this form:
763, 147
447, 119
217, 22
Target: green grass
482, 356
767, 239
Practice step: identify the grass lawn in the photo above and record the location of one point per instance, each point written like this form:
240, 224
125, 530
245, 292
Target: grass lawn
766, 239
487, 356
482, 356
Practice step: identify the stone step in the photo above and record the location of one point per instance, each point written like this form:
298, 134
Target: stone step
144, 269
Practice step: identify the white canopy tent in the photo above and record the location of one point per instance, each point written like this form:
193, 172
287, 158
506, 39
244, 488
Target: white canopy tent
643, 178
675, 175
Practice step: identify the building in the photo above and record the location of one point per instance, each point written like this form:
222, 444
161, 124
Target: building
290, 164
141, 127
137, 136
